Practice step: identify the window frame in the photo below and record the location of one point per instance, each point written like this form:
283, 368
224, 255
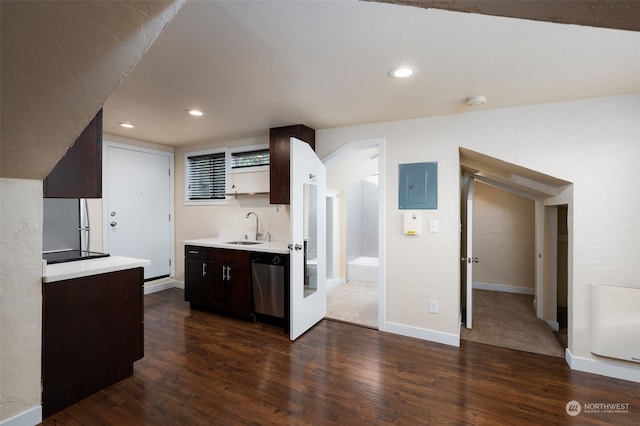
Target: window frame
211, 201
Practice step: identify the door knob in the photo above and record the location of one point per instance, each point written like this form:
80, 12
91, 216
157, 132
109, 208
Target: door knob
298, 247
475, 260
114, 223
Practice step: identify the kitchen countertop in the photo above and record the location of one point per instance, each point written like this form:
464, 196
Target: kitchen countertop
84, 268
263, 246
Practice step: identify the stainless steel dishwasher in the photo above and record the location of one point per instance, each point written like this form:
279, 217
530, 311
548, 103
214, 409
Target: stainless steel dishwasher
268, 280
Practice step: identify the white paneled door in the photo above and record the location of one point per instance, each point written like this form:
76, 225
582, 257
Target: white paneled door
308, 239
137, 209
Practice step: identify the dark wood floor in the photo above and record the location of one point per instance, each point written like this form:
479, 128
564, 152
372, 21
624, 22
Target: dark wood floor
203, 369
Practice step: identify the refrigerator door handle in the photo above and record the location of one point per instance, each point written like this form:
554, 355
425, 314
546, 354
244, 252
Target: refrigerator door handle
86, 224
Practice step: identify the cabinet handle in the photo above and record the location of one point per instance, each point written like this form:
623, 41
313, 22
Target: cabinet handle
228, 273
204, 269
224, 273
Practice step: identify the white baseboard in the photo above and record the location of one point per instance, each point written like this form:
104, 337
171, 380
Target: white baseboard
603, 368
335, 282
160, 285
504, 288
423, 334
554, 325
30, 417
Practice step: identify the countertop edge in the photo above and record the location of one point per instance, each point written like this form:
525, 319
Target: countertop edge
263, 247
84, 268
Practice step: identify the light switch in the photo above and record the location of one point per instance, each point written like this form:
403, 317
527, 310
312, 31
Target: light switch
433, 225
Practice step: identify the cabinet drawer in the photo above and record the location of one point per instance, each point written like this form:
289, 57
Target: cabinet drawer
196, 252
225, 255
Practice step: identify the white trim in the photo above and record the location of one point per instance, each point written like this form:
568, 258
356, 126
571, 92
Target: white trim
554, 325
503, 288
161, 285
603, 368
423, 334
207, 202
247, 148
382, 255
335, 282
105, 164
539, 261
32, 416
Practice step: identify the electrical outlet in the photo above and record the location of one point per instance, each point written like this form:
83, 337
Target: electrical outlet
433, 306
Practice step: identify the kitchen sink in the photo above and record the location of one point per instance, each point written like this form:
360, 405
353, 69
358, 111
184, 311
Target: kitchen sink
244, 243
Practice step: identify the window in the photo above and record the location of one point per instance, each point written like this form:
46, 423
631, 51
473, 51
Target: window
208, 172
250, 158
205, 177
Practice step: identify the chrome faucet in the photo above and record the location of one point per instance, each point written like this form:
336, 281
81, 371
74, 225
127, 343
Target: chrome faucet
258, 233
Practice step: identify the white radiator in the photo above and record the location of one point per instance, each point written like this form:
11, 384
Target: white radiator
615, 322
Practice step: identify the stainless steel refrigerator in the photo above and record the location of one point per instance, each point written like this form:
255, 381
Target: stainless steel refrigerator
65, 233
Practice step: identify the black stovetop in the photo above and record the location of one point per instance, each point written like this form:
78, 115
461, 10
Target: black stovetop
71, 255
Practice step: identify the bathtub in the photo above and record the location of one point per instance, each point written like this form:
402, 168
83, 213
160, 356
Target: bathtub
363, 269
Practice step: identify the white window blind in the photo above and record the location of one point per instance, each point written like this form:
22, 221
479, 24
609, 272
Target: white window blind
206, 176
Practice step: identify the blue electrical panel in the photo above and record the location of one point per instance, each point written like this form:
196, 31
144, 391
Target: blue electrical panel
418, 186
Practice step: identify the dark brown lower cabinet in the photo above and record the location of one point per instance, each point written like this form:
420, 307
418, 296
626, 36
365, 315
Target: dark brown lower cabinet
93, 331
232, 280
218, 279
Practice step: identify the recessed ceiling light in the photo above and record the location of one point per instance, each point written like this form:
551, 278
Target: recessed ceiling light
402, 72
476, 100
195, 112
126, 125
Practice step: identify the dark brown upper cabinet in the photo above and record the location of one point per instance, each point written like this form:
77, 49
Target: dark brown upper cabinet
79, 173
279, 156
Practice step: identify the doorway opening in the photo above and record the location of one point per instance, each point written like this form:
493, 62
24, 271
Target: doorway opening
563, 276
510, 278
354, 233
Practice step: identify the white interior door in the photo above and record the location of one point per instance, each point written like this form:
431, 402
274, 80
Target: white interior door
137, 208
308, 239
469, 257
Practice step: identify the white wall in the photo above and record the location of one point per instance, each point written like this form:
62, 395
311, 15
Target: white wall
503, 239
21, 297
593, 143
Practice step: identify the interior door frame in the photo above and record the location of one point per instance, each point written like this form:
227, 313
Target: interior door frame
105, 187
467, 256
380, 144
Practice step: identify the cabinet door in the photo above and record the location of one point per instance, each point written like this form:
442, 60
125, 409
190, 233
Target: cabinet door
197, 288
232, 281
79, 173
279, 154
239, 288
218, 299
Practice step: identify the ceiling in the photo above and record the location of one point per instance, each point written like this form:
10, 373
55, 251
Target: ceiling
251, 66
